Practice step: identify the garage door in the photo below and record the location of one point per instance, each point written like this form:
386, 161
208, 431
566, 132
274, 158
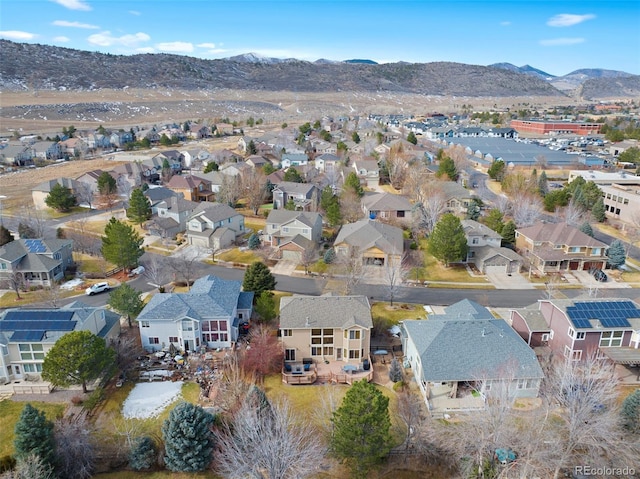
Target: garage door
291, 255
496, 269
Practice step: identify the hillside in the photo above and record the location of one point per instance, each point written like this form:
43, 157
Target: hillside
32, 66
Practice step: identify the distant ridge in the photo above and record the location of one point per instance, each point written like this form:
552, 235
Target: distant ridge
526, 69
363, 62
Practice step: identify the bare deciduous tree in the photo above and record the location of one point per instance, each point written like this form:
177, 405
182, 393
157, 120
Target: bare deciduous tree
74, 446
395, 272
350, 206
351, 268
156, 270
573, 213
254, 184
270, 443
183, 266
410, 412
503, 204
397, 165
84, 193
30, 467
459, 156
229, 190
307, 257
526, 210
34, 219
431, 204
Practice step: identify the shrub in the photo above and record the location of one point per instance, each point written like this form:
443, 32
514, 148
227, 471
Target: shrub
77, 400
7, 463
143, 454
94, 398
399, 386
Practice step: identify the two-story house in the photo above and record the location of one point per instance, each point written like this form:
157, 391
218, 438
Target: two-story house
305, 196
34, 261
171, 217
368, 171
16, 154
327, 163
47, 150
208, 315
293, 232
576, 328
27, 335
293, 159
485, 250
121, 138
40, 192
560, 247
192, 188
214, 225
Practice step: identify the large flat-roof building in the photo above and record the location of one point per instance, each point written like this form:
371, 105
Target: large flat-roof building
541, 127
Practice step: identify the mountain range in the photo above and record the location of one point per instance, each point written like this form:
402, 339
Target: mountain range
32, 66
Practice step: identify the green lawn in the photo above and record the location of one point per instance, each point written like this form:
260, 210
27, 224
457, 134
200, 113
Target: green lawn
9, 415
54, 214
398, 312
254, 224
92, 264
433, 270
9, 299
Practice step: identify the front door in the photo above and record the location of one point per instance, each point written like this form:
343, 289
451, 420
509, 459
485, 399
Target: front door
188, 344
339, 354
17, 371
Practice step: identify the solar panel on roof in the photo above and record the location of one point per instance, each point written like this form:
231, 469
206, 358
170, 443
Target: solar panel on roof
38, 315
27, 336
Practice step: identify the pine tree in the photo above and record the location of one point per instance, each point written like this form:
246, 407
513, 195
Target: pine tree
291, 205
60, 198
395, 371
293, 175
139, 209
353, 182
411, 138
616, 254
543, 184
361, 428
126, 301
329, 256
334, 215
211, 166
630, 412
5, 236
586, 228
188, 439
34, 435
106, 184
254, 241
508, 233
266, 306
447, 168
598, 211
258, 278
143, 454
121, 244
448, 242
494, 220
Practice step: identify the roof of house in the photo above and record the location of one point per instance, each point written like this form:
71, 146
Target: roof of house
32, 247
474, 228
295, 157
298, 312
48, 185
177, 204
186, 181
559, 234
279, 217
385, 202
213, 177
295, 188
533, 318
327, 157
300, 241
451, 189
466, 309
365, 234
369, 165
470, 350
158, 194
214, 212
209, 297
599, 313
486, 252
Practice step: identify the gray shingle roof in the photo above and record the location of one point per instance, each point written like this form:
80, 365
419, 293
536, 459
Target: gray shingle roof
386, 202
470, 350
209, 297
302, 312
47, 185
295, 188
284, 216
484, 253
451, 189
214, 212
465, 309
365, 234
474, 228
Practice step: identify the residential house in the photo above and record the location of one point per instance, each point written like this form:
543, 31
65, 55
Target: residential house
214, 225
257, 161
207, 316
171, 217
376, 243
387, 207
27, 335
321, 147
305, 196
560, 247
293, 159
368, 171
34, 262
47, 150
134, 173
294, 233
192, 188
73, 147
16, 154
90, 179
577, 328
40, 192
461, 357
318, 330
157, 195
190, 157
235, 169
484, 250
173, 157
276, 177
457, 197
327, 162
215, 179
121, 138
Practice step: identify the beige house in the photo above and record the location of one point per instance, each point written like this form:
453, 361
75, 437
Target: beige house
40, 192
622, 202
214, 225
387, 207
294, 233
319, 330
377, 243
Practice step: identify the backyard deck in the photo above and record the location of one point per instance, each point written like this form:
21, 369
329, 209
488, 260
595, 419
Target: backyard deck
328, 372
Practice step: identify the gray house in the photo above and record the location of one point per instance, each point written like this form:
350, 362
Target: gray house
214, 225
172, 215
485, 250
387, 207
465, 355
35, 261
209, 315
376, 243
305, 196
293, 232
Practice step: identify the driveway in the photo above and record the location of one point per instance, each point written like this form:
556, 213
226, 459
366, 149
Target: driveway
502, 280
285, 267
589, 282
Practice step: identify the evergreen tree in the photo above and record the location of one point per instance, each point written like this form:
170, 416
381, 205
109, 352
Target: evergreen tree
188, 440
60, 198
126, 301
598, 211
361, 433
334, 215
496, 170
291, 205
555, 199
258, 278
508, 233
630, 412
139, 209
254, 241
34, 435
494, 220
121, 244
474, 208
77, 357
586, 228
543, 184
395, 371
251, 148
106, 184
211, 166
293, 175
266, 306
447, 242
447, 168
355, 137
143, 454
25, 231
352, 182
616, 254
329, 256
411, 138
5, 236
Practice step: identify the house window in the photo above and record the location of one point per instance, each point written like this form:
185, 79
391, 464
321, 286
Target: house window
580, 335
30, 352
289, 354
400, 214
173, 339
32, 367
321, 336
545, 337
224, 337
285, 229
187, 326
596, 251
153, 340
316, 351
572, 333
574, 249
3, 265
144, 324
354, 354
352, 334
474, 241
287, 332
611, 339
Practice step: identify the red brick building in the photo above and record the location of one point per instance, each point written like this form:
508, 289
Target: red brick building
554, 127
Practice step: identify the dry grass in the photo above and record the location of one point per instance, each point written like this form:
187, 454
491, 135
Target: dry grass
10, 299
397, 312
433, 270
237, 256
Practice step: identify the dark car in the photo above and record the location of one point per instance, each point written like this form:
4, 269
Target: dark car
598, 274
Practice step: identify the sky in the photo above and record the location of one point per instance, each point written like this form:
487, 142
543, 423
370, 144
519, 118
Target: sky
556, 36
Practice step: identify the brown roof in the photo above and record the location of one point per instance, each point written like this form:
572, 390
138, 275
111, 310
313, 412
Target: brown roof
188, 181
559, 234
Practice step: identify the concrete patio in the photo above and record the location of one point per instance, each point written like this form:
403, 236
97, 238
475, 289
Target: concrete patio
441, 402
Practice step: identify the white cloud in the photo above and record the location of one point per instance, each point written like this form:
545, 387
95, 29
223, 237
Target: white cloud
206, 45
105, 39
568, 19
553, 42
65, 23
17, 35
505, 24
135, 12
145, 50
61, 39
179, 47
74, 4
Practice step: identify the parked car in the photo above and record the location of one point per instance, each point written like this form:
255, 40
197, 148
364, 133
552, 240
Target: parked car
136, 271
97, 288
598, 274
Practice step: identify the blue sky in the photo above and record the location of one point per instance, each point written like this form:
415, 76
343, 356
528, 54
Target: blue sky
556, 36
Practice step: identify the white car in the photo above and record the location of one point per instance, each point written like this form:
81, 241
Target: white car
97, 288
136, 271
